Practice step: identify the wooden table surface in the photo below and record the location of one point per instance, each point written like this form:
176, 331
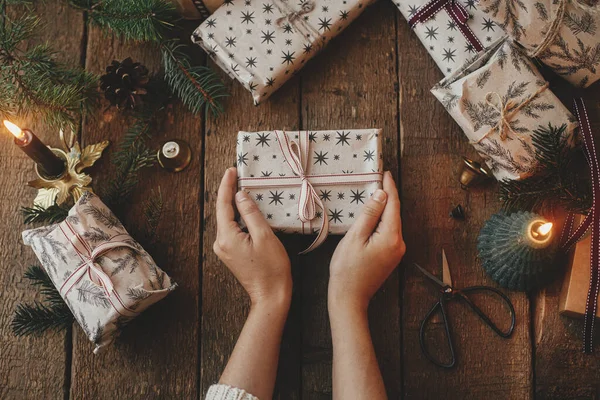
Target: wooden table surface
376, 74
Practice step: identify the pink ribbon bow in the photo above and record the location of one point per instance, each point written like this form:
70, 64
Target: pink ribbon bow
296, 155
93, 270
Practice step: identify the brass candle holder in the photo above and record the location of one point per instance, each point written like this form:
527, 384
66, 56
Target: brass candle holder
472, 173
174, 155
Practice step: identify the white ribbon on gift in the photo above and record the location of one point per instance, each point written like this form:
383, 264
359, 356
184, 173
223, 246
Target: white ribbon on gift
94, 271
296, 155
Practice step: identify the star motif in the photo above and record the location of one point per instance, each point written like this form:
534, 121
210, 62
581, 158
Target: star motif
488, 39
336, 157
269, 216
250, 62
270, 81
449, 55
319, 214
249, 31
325, 9
259, 197
234, 68
470, 48
325, 24
321, 158
276, 197
246, 138
262, 139
292, 196
351, 215
242, 158
347, 171
335, 215
247, 17
342, 138
252, 86
268, 8
450, 39
344, 15
267, 37
326, 137
266, 174
412, 10
307, 48
369, 155
312, 137
357, 196
431, 33
471, 4
452, 25
288, 42
287, 28
267, 22
288, 57
341, 196
211, 35
488, 24
230, 41
211, 23
359, 137
256, 158
325, 195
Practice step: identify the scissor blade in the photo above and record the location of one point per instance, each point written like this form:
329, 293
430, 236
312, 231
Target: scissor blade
430, 275
446, 277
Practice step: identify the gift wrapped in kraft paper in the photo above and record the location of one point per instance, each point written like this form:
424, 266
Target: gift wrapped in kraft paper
262, 44
500, 100
105, 277
563, 34
310, 182
452, 31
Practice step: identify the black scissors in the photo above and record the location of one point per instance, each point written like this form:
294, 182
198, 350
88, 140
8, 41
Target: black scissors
450, 293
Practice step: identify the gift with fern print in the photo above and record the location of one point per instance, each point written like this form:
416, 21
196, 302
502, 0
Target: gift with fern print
104, 276
563, 34
500, 101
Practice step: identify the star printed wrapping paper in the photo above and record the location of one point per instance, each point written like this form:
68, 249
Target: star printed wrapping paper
105, 277
452, 31
563, 34
262, 43
499, 101
343, 167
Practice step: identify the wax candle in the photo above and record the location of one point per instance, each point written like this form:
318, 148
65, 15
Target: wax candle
49, 163
539, 233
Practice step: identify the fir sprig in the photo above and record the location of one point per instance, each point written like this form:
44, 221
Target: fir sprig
153, 208
50, 215
40, 278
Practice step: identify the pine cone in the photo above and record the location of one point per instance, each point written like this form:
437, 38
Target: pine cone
124, 83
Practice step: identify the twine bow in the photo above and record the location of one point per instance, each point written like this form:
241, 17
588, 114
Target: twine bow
456, 10
296, 155
553, 30
92, 269
295, 15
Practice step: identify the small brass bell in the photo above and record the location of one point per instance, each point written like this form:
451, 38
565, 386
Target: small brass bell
472, 173
174, 155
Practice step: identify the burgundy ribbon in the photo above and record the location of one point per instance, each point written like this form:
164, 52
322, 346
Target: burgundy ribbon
591, 220
455, 10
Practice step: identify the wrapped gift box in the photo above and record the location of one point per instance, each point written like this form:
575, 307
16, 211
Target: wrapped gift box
343, 167
565, 34
105, 277
263, 43
197, 9
453, 32
499, 100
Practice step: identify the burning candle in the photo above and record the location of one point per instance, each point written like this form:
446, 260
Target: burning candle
540, 233
49, 163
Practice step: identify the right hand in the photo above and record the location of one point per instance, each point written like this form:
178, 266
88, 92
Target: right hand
257, 259
370, 251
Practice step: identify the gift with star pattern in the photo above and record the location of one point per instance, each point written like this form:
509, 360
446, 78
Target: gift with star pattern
500, 101
452, 31
310, 182
563, 34
104, 276
262, 44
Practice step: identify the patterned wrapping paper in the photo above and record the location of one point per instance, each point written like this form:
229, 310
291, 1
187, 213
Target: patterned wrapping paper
499, 101
263, 43
563, 34
341, 153
442, 35
87, 254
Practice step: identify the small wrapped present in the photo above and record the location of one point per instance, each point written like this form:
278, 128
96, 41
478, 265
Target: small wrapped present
262, 44
500, 100
452, 31
563, 34
105, 277
310, 182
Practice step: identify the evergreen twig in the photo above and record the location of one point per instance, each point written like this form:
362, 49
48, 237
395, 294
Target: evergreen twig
36, 318
50, 215
153, 208
40, 278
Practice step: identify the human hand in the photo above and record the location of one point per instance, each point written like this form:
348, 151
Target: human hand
370, 251
257, 259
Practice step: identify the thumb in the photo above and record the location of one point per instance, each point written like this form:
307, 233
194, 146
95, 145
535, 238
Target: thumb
370, 215
255, 221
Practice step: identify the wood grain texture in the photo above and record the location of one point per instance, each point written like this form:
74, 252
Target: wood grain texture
224, 302
432, 146
30, 367
157, 355
350, 86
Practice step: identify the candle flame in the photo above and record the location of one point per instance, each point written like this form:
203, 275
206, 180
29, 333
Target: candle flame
545, 228
14, 129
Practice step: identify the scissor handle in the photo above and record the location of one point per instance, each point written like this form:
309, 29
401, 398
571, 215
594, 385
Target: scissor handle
424, 323
462, 294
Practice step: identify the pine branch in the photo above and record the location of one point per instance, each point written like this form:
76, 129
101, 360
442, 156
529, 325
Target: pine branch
40, 278
50, 215
196, 86
153, 208
139, 20
36, 318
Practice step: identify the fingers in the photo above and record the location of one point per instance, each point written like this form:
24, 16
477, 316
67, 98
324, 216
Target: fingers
390, 219
370, 215
225, 213
255, 221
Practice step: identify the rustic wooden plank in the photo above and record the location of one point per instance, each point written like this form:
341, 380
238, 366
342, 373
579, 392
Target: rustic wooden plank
224, 303
352, 86
157, 356
30, 367
562, 371
487, 366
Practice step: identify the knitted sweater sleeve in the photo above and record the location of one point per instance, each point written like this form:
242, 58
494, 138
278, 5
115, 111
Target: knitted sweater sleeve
226, 392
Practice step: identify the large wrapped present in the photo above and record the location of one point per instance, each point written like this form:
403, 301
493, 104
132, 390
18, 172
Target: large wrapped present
500, 100
263, 43
563, 34
105, 277
452, 31
310, 182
